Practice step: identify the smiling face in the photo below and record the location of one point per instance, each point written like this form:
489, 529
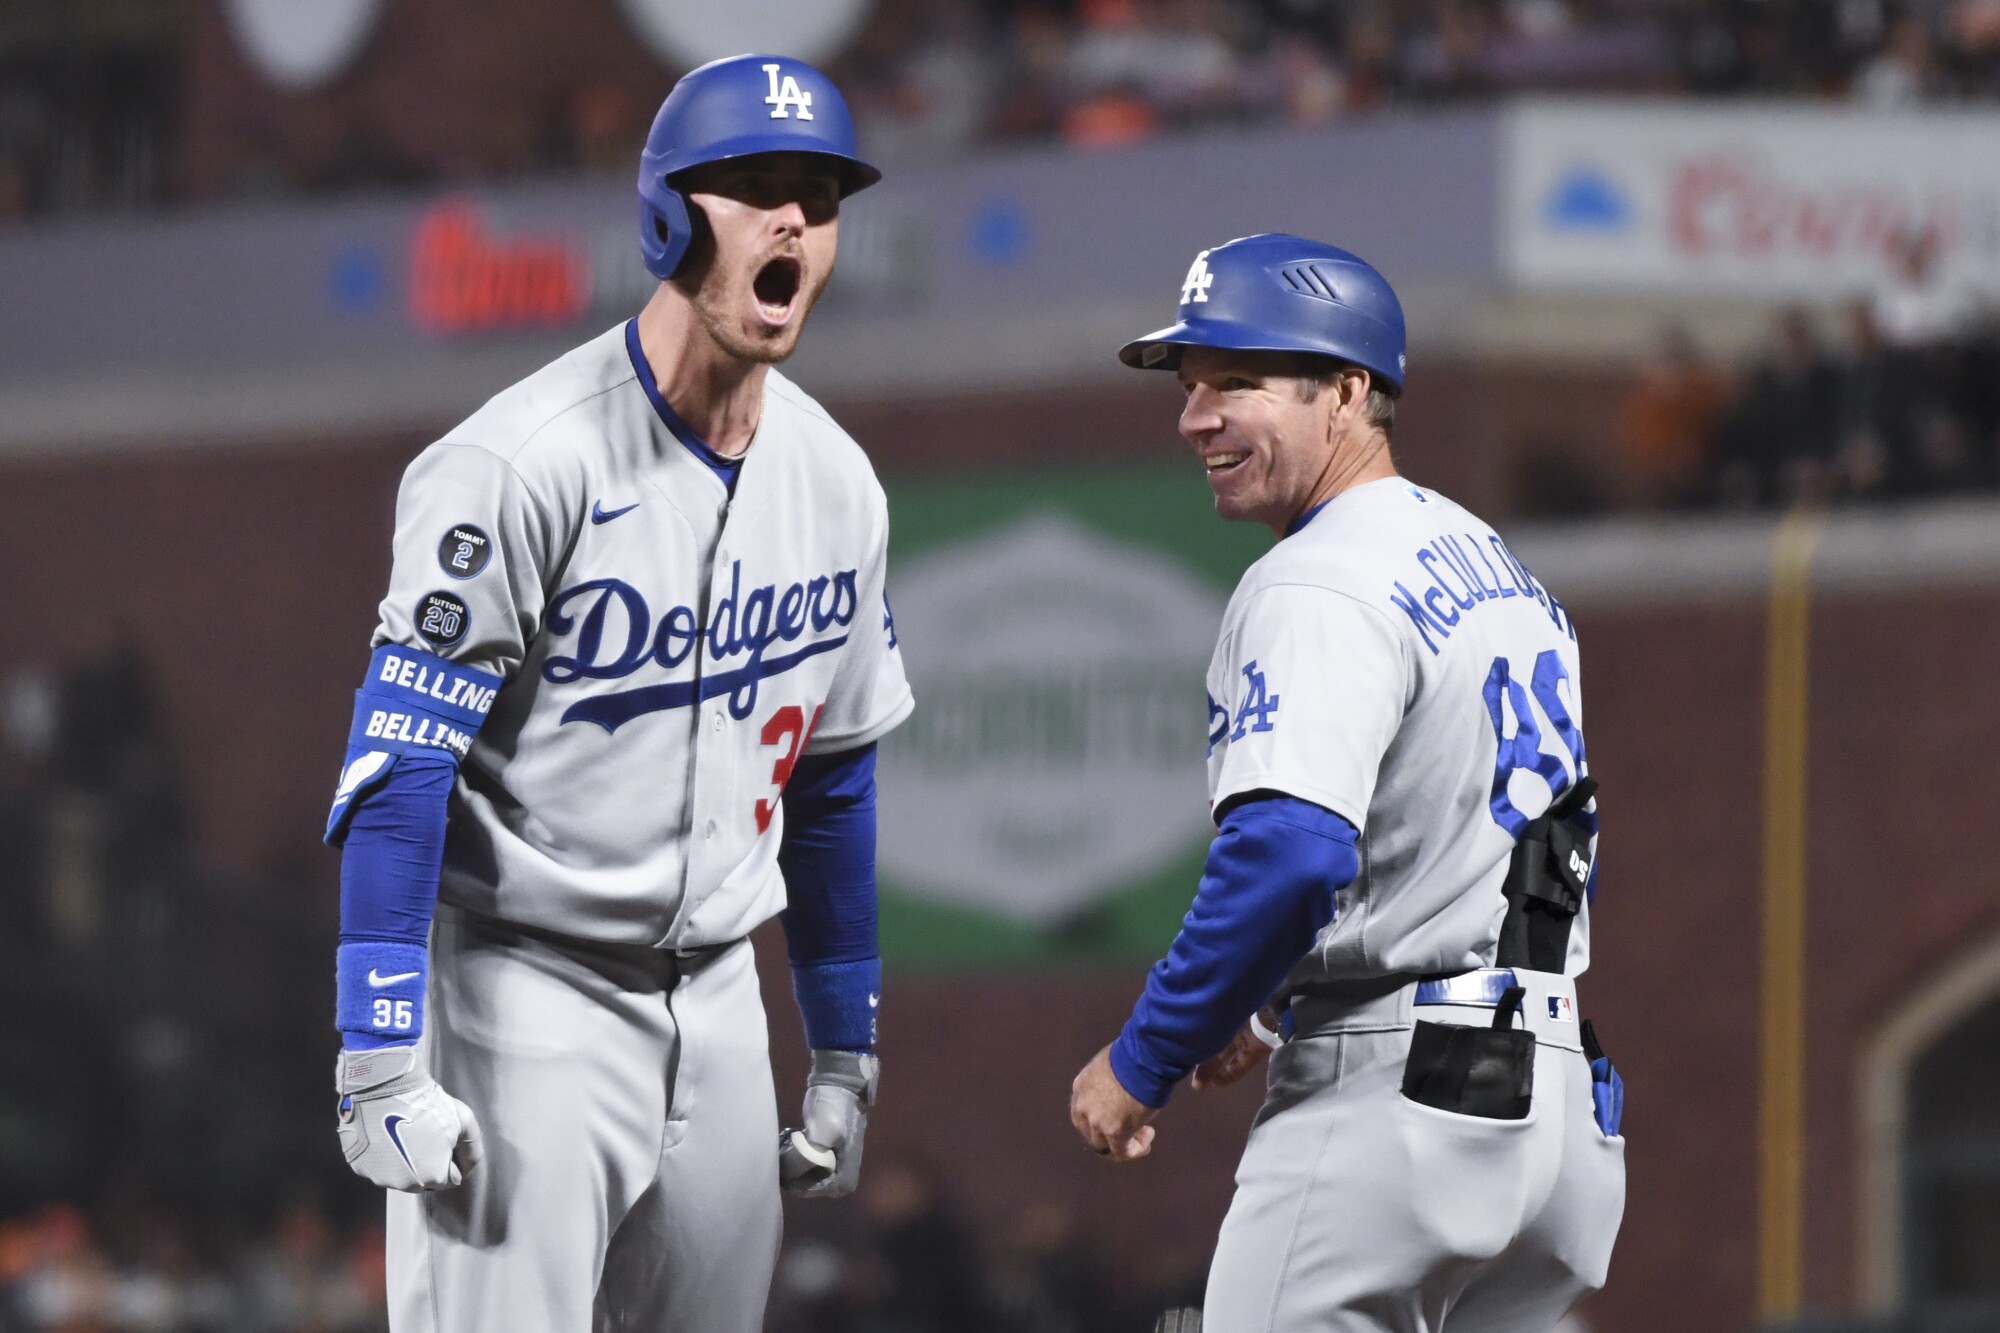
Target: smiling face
761, 261
1267, 447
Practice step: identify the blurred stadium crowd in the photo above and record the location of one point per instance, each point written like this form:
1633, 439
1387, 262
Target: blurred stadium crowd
1892, 397
899, 1259
1897, 397
91, 123
902, 1262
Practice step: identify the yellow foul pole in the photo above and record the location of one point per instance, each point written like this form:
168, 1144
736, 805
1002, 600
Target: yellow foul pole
1781, 1057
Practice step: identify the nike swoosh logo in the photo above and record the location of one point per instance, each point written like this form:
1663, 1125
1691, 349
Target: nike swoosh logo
377, 979
599, 514
392, 1125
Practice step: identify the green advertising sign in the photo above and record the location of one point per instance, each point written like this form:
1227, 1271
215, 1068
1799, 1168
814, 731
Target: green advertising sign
1046, 803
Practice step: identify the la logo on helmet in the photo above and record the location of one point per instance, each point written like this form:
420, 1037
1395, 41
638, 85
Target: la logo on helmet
787, 94
1198, 280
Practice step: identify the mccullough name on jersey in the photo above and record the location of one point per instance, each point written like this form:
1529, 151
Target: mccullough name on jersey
1474, 579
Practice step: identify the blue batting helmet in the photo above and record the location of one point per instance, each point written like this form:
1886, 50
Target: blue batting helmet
734, 108
1279, 293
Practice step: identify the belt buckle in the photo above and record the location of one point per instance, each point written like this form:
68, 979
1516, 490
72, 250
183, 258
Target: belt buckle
1480, 988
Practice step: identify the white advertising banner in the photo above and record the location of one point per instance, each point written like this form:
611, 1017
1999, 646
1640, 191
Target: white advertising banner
1761, 201
1056, 755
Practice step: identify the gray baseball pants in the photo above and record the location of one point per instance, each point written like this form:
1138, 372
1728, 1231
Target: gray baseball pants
630, 1179
1358, 1210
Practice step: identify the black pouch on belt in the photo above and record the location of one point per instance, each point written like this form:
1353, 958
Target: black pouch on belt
1545, 884
1488, 1072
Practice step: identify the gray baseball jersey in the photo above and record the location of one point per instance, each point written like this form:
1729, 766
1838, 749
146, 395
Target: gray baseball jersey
1394, 662
668, 652
665, 652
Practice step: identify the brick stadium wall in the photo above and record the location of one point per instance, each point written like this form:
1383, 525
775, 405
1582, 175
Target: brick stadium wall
249, 581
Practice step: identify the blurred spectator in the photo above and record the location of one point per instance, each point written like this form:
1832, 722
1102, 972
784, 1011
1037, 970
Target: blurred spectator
929, 1261
1922, 315
1140, 64
301, 1279
1871, 410
1043, 1279
1920, 307
1777, 441
924, 86
1448, 61
153, 977
1297, 80
1667, 425
1369, 46
1906, 71
604, 124
144, 1272
1909, 406
64, 1285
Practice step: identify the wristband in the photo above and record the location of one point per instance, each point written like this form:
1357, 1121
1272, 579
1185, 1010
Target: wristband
379, 993
838, 1002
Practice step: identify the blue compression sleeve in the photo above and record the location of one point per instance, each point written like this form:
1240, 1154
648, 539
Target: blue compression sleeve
827, 856
414, 719
1267, 892
388, 892
389, 865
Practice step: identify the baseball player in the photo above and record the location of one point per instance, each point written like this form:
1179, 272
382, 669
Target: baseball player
623, 705
1400, 875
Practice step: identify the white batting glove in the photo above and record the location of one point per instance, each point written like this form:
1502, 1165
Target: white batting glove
398, 1128
823, 1160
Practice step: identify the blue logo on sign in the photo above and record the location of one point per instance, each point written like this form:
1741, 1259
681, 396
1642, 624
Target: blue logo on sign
1000, 234
744, 624
356, 281
1587, 199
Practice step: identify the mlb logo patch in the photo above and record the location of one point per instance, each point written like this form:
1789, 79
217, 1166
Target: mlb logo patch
1561, 1009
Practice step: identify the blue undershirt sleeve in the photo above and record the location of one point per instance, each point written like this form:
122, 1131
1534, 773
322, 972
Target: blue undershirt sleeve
388, 893
389, 864
827, 856
1266, 893
414, 719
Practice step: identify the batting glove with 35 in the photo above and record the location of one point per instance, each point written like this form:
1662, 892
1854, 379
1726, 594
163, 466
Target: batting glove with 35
398, 1128
823, 1160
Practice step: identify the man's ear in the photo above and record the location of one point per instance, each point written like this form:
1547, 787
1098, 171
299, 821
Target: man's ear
1350, 390
1354, 385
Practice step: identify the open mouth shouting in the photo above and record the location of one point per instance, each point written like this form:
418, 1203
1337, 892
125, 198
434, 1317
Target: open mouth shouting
776, 287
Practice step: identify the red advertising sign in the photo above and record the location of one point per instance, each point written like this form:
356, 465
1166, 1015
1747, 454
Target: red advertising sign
465, 279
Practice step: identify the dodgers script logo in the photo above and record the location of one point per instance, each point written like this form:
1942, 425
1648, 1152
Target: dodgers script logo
743, 625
